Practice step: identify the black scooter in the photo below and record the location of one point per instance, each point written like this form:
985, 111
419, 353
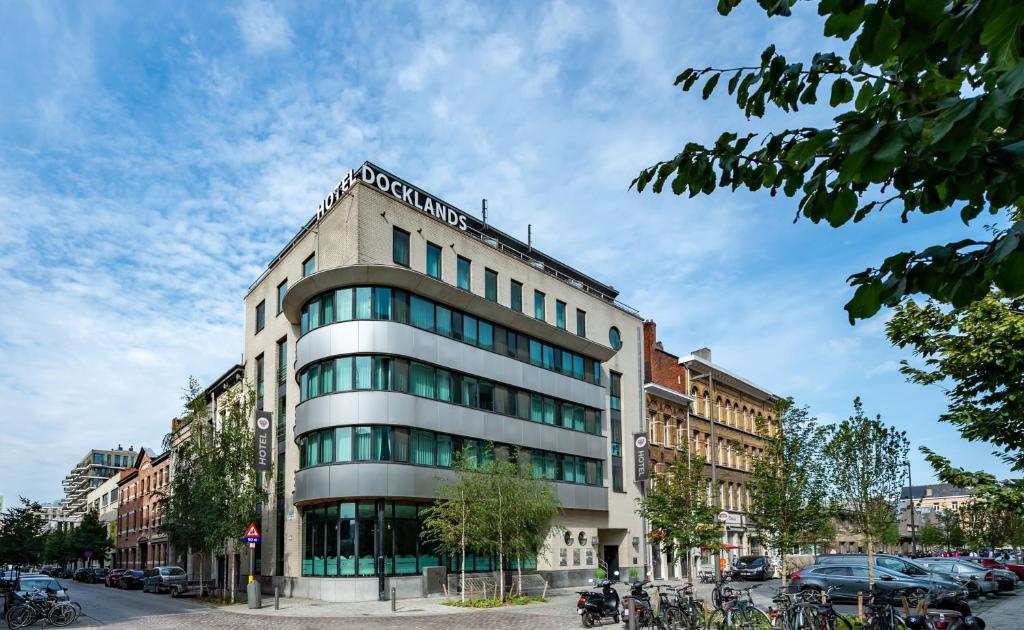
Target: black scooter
598, 605
638, 600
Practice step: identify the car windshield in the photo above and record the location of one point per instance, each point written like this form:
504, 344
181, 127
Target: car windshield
173, 571
28, 585
755, 561
138, 573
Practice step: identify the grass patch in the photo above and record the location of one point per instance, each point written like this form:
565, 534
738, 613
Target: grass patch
494, 602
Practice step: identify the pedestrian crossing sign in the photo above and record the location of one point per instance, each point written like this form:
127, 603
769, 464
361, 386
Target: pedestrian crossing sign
252, 535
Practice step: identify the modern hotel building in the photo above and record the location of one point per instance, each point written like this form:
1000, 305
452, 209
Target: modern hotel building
395, 331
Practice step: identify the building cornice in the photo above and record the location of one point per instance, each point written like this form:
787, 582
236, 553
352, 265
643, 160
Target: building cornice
702, 366
660, 391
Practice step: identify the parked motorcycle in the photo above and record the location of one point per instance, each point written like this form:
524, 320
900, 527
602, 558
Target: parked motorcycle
598, 605
643, 598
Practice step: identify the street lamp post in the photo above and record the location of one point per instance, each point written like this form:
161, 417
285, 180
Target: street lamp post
713, 459
910, 496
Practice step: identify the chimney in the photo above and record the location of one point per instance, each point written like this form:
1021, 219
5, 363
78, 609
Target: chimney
928, 492
704, 353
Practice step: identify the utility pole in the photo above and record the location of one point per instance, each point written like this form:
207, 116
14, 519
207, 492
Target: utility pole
913, 527
713, 458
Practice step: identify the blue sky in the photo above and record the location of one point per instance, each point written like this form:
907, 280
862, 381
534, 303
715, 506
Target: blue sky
154, 158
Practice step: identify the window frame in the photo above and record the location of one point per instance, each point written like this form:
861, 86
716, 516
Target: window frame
309, 259
560, 308
458, 273
515, 296
398, 233
440, 260
540, 299
260, 316
490, 285
581, 318
280, 295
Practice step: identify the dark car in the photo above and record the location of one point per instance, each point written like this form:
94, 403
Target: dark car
131, 580
898, 565
97, 575
27, 582
81, 575
113, 576
850, 579
752, 568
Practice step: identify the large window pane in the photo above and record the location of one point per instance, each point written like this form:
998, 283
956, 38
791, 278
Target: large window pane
314, 381
364, 302
538, 305
406, 535
469, 329
367, 528
536, 352
549, 411
444, 451
364, 372
486, 395
363, 438
327, 304
400, 247
422, 448
400, 306
400, 376
343, 303
347, 543
444, 385
463, 273
422, 313
536, 408
382, 374
486, 336
312, 450
491, 285
469, 391
382, 303
400, 452
327, 446
434, 261
422, 377
516, 296
382, 444
344, 377
327, 378
331, 540
314, 314
569, 468
560, 314
566, 415
578, 421
343, 444
444, 321
577, 366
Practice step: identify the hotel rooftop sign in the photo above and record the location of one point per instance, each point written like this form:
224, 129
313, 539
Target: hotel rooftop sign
398, 188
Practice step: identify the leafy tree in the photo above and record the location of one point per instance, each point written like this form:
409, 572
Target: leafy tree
928, 119
677, 507
90, 535
21, 533
453, 522
788, 487
536, 509
930, 536
952, 532
55, 546
983, 524
867, 459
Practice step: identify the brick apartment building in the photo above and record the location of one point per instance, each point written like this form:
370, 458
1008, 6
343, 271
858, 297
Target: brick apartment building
140, 542
692, 402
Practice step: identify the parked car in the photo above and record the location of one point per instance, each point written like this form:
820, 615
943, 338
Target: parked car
131, 579
1016, 569
98, 575
162, 579
82, 574
752, 568
967, 570
851, 579
29, 581
113, 576
900, 565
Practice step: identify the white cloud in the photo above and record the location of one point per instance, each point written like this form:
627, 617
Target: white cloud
263, 27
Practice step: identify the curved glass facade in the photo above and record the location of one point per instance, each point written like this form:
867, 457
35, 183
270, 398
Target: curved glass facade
398, 374
372, 537
385, 443
398, 305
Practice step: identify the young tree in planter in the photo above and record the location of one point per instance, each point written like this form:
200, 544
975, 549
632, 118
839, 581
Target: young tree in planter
21, 533
788, 484
867, 460
453, 522
500, 508
677, 507
537, 508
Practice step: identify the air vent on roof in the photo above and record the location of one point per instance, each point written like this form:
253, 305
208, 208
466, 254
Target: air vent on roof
576, 283
538, 264
493, 242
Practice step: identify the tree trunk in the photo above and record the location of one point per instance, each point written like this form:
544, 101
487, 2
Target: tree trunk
785, 574
519, 570
201, 569
462, 566
871, 564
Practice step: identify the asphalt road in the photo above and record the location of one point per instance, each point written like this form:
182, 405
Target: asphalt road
103, 606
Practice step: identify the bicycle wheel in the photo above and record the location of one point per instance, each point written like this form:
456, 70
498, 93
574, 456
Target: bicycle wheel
838, 623
717, 620
62, 614
20, 616
752, 618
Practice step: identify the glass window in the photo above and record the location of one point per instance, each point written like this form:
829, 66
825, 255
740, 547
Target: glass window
382, 303
400, 375
343, 444
364, 372
309, 265
560, 314
581, 323
444, 321
281, 290
549, 357
569, 468
469, 391
422, 312
364, 302
469, 329
486, 395
463, 273
491, 285
614, 338
457, 325
400, 306
326, 446
577, 366
363, 439
327, 306
422, 447
344, 377
444, 385
343, 304
400, 452
538, 305
261, 315
536, 352
314, 314
400, 247
381, 444
549, 411
312, 450
382, 374
515, 299
434, 261
444, 451
422, 377
536, 408
486, 335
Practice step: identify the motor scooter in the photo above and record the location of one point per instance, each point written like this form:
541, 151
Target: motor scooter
596, 606
642, 605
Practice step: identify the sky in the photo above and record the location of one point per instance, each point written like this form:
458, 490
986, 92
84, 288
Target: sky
155, 156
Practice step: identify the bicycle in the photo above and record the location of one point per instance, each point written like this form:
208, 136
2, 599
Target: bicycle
647, 616
881, 615
819, 607
37, 605
686, 612
736, 610
791, 612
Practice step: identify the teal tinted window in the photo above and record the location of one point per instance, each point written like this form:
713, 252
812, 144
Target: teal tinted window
469, 329
614, 338
364, 303
282, 289
581, 323
344, 374
560, 314
343, 442
485, 338
364, 372
382, 303
491, 285
462, 268
444, 321
434, 261
421, 312
343, 299
400, 247
516, 296
538, 305
422, 378
309, 265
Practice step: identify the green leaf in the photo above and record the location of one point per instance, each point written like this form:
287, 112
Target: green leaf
844, 205
842, 92
1010, 277
864, 96
709, 87
866, 300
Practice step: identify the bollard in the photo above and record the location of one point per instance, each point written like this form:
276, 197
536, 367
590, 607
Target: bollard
392, 599
860, 606
277, 600
632, 614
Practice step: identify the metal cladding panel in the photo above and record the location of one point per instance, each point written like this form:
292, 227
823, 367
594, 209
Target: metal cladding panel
381, 337
344, 409
313, 483
512, 432
373, 407
315, 413
374, 480
345, 482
